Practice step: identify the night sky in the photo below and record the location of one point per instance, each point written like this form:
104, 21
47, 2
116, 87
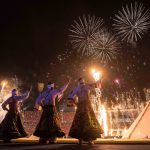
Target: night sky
34, 33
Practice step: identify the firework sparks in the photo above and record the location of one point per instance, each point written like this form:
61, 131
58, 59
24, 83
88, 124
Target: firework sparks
62, 57
103, 120
82, 32
106, 46
132, 22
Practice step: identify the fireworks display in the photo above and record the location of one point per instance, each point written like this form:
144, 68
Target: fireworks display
82, 33
106, 46
132, 22
91, 39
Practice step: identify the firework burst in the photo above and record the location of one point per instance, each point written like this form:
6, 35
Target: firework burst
106, 46
82, 32
132, 22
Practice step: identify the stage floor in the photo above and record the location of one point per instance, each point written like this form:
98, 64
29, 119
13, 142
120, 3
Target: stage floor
33, 139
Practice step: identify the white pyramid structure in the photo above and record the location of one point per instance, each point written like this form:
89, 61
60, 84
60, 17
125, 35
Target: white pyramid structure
2, 113
140, 129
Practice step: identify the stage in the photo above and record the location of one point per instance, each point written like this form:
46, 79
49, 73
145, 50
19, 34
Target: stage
33, 139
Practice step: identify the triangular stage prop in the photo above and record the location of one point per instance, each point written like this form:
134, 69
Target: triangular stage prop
141, 126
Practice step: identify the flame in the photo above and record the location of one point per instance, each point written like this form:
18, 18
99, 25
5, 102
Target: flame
117, 81
3, 85
103, 120
95, 74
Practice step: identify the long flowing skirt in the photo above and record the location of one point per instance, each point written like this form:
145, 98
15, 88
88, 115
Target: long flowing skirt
49, 125
85, 125
11, 127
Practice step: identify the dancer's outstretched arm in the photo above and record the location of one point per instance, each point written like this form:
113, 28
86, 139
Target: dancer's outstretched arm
61, 90
22, 97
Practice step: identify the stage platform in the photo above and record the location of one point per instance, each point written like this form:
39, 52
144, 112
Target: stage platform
33, 139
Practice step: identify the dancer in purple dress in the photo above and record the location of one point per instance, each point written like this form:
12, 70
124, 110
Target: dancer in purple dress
48, 128
11, 127
85, 126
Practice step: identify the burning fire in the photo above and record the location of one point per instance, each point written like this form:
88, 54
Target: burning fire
96, 75
3, 86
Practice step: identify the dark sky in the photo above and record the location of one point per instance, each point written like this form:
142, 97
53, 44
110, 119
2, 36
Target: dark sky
34, 32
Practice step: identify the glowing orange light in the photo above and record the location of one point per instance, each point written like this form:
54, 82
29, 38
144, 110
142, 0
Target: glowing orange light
3, 85
96, 74
117, 81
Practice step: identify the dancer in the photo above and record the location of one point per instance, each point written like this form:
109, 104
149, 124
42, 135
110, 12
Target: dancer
85, 126
11, 127
48, 127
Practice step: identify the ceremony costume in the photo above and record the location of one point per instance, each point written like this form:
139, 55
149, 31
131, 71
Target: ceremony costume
11, 127
85, 126
48, 127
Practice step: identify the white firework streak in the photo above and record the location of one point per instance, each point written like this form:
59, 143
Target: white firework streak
106, 46
132, 22
82, 32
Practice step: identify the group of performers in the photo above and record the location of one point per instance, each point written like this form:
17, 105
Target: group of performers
85, 126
